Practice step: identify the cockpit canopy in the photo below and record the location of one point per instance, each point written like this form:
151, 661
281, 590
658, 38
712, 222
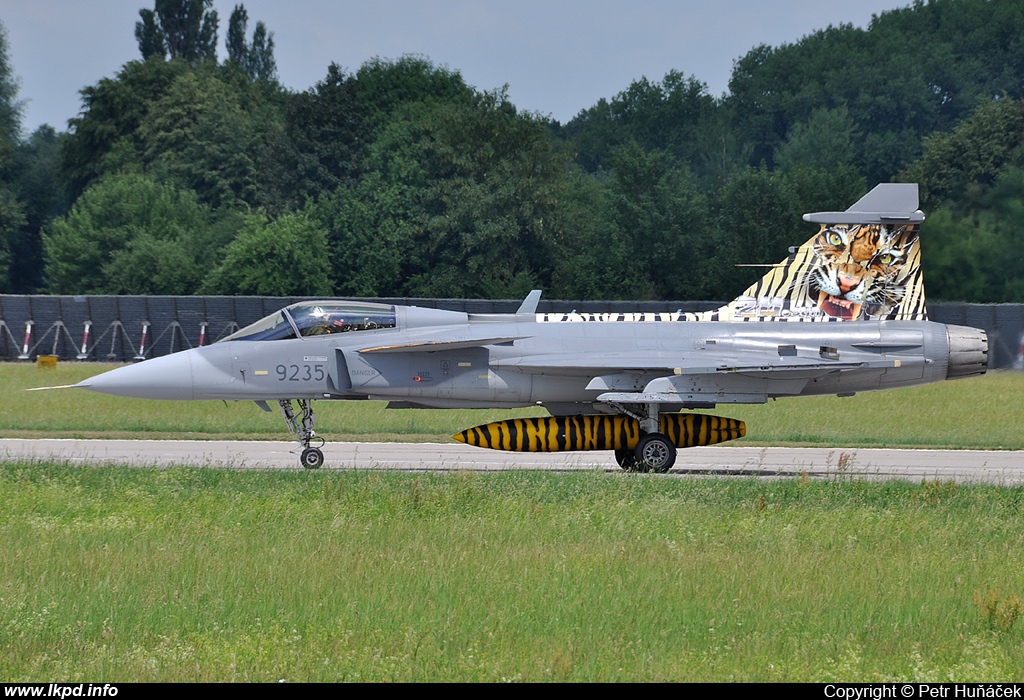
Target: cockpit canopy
308, 318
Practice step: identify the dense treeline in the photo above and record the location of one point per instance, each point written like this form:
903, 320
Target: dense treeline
184, 175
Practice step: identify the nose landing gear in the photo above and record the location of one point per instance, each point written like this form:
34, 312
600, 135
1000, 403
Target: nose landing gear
311, 457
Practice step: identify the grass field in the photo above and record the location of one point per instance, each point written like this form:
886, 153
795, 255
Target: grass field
191, 574
978, 413
198, 575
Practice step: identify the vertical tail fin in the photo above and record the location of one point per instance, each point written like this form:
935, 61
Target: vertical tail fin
863, 264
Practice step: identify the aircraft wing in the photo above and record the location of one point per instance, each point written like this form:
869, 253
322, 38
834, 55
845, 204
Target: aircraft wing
736, 377
588, 364
459, 343
731, 383
673, 363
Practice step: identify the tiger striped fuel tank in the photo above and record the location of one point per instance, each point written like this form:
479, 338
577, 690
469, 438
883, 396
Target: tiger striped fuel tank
571, 433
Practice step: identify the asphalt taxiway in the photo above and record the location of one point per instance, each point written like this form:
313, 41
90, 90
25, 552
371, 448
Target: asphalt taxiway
966, 466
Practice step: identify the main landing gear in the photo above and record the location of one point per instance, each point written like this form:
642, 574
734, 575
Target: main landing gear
654, 452
311, 457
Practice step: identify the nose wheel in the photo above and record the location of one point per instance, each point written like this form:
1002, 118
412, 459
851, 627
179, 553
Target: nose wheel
311, 457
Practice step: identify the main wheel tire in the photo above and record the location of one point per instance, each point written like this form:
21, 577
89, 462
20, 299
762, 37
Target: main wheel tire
626, 459
312, 458
655, 452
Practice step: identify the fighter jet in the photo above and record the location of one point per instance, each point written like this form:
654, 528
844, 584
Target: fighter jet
844, 313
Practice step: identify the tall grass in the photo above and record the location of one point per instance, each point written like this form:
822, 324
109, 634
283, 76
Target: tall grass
195, 575
982, 413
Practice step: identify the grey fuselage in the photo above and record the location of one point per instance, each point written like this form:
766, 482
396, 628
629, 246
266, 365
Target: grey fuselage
445, 359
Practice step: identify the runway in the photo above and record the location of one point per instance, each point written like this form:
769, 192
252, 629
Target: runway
965, 466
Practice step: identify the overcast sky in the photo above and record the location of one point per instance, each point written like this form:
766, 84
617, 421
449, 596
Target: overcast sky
557, 56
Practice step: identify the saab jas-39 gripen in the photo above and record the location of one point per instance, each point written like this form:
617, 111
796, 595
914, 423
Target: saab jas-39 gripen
844, 313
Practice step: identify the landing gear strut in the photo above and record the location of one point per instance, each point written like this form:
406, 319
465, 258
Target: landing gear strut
311, 457
654, 452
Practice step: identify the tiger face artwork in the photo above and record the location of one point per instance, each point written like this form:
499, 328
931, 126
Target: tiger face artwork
844, 272
860, 269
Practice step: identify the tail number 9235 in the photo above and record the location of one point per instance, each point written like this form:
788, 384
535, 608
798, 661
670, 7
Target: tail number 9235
300, 373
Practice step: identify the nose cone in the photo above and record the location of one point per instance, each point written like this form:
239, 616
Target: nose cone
167, 377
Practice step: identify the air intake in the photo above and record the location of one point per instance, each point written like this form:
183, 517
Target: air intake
968, 352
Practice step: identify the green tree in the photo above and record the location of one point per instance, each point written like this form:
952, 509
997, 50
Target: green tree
977, 256
756, 211
824, 141
256, 60
663, 226
35, 183
457, 198
973, 188
479, 185
207, 133
10, 106
955, 270
818, 160
382, 86
961, 164
130, 235
370, 229
320, 147
12, 220
178, 29
825, 189
1004, 210
262, 66
203, 128
236, 43
287, 257
676, 115
105, 137
12, 214
591, 257
912, 72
